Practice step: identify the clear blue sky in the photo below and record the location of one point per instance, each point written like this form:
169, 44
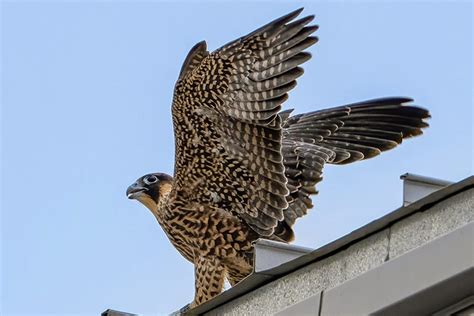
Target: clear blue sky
86, 94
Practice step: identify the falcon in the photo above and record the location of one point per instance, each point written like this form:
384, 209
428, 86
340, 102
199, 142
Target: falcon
245, 169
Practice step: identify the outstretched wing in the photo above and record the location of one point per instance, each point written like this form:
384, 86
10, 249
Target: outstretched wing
341, 135
227, 128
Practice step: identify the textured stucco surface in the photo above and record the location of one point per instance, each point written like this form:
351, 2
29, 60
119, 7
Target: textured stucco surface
311, 279
438, 220
401, 237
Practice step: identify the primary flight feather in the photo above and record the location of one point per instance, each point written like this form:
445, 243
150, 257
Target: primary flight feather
244, 169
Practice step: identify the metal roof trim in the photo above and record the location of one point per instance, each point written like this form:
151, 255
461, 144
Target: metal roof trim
426, 180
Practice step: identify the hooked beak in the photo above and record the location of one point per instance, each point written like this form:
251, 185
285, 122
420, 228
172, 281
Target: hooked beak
135, 191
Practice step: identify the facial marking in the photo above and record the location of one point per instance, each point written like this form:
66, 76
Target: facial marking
165, 188
148, 202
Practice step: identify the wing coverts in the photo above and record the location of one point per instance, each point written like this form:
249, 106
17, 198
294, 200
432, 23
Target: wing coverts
229, 101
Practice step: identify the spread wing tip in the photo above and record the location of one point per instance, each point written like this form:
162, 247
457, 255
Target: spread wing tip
194, 57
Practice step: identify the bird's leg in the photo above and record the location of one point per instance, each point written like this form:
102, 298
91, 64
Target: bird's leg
209, 279
238, 269
235, 277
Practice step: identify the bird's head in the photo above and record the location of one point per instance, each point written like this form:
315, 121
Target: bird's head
150, 188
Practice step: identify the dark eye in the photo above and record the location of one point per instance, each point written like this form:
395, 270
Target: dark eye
150, 179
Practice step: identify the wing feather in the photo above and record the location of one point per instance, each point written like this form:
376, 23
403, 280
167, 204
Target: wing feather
341, 135
227, 127
232, 137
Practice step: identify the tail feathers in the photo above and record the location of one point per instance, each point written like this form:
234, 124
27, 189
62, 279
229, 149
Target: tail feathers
363, 130
283, 232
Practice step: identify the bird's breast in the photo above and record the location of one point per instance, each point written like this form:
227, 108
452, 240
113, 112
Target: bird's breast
208, 232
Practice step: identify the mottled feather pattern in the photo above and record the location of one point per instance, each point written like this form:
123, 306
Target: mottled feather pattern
339, 136
236, 90
245, 169
228, 132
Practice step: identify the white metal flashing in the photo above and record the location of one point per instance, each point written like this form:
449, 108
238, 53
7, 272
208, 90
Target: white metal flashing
271, 254
416, 187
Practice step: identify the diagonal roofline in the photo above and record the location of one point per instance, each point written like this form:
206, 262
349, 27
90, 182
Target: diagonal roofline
260, 278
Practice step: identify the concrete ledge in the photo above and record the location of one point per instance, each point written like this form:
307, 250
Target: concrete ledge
309, 306
351, 256
415, 276
310, 280
442, 218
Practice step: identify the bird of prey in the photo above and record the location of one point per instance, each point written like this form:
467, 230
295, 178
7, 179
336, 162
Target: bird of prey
245, 169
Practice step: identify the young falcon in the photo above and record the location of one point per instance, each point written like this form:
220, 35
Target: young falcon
244, 169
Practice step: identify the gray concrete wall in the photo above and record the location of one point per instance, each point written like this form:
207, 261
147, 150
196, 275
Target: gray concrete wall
403, 236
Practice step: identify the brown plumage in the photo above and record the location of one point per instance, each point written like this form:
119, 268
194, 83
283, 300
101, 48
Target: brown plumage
244, 169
